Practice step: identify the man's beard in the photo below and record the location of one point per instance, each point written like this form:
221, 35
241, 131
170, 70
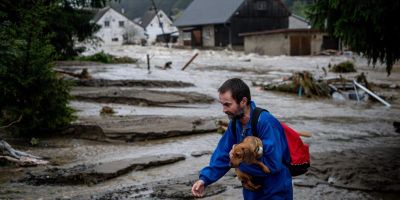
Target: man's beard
239, 115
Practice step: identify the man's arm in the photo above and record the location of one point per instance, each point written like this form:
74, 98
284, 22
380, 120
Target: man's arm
219, 163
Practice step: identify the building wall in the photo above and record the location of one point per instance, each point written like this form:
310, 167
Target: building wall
316, 42
279, 43
154, 29
267, 44
113, 34
208, 36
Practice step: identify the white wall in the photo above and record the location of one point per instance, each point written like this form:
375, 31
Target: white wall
208, 36
115, 32
153, 29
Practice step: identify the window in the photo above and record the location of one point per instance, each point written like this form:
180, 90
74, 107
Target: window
121, 24
186, 35
261, 5
106, 23
114, 39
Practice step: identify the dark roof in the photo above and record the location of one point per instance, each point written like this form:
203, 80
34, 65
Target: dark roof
302, 30
100, 14
201, 12
147, 17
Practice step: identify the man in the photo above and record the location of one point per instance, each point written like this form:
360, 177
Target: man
234, 95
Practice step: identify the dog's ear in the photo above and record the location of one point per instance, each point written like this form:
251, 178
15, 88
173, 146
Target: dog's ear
239, 154
248, 156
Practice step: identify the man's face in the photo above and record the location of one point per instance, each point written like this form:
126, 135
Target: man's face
230, 107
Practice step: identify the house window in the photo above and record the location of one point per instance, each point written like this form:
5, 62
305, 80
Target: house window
186, 36
261, 5
160, 15
106, 23
121, 24
114, 39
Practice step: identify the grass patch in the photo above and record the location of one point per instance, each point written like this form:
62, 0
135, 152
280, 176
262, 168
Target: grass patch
106, 58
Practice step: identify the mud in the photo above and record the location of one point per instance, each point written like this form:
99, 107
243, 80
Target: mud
140, 128
138, 96
353, 145
364, 173
96, 173
177, 188
131, 83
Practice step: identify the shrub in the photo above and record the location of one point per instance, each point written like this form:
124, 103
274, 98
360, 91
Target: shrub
344, 67
106, 58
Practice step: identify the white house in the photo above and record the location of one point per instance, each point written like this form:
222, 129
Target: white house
297, 22
156, 24
116, 28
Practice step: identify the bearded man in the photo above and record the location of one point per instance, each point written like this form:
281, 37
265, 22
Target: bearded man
235, 98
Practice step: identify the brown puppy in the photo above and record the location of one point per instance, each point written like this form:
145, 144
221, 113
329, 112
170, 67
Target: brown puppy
248, 151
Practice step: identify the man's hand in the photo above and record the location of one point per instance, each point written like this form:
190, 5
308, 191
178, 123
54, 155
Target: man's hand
198, 188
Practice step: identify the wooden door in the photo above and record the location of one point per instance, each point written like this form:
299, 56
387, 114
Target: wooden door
300, 45
196, 38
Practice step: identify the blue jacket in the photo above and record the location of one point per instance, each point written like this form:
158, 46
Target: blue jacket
275, 185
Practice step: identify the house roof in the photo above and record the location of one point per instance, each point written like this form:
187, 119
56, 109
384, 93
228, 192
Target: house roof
147, 17
100, 14
296, 21
201, 12
104, 10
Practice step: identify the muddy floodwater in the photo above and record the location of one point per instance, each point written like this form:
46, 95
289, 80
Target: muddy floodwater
164, 130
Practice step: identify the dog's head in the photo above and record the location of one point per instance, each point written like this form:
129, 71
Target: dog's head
239, 153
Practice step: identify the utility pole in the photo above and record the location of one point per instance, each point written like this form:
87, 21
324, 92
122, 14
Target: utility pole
159, 21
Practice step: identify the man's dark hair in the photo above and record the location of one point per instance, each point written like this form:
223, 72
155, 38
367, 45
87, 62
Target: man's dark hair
238, 88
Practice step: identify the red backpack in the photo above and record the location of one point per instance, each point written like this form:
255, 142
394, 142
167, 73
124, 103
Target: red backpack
299, 151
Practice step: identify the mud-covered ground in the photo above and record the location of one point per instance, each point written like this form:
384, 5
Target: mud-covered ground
164, 130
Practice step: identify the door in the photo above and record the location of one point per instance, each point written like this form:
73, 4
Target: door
300, 45
196, 38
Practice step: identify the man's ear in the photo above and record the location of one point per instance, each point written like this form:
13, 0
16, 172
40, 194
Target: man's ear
244, 101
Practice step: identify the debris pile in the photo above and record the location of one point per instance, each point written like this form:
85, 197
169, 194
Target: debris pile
301, 83
343, 67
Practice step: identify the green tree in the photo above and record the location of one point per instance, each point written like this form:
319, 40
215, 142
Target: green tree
299, 8
33, 33
367, 26
29, 86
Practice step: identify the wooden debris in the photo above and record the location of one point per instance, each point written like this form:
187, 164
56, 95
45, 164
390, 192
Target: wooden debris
107, 110
19, 158
83, 75
190, 61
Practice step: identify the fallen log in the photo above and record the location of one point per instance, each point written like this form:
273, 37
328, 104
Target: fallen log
11, 155
83, 75
190, 61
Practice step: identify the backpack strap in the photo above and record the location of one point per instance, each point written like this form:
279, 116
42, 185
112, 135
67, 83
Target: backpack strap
254, 119
234, 128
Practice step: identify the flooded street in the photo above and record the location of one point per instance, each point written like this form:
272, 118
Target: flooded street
354, 130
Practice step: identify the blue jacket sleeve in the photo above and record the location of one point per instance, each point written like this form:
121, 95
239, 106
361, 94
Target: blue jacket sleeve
219, 163
271, 133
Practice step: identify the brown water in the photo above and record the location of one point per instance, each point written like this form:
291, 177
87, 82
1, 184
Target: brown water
335, 126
